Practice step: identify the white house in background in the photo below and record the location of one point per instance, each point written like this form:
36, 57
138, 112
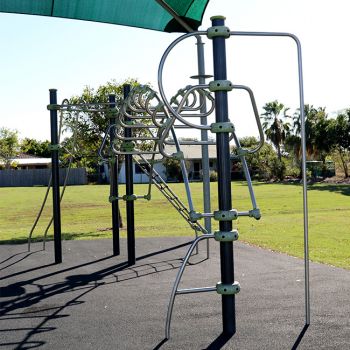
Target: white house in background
27, 161
192, 155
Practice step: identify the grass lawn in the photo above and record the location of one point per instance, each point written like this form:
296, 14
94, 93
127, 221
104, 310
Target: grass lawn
86, 215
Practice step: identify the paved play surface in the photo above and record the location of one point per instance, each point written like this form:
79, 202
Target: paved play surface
94, 301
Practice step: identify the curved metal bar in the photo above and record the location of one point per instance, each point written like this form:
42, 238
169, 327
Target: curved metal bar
246, 173
161, 141
184, 173
177, 281
257, 117
103, 144
160, 76
156, 116
180, 106
303, 150
303, 141
39, 214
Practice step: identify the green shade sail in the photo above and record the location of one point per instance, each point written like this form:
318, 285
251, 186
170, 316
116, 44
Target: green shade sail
148, 14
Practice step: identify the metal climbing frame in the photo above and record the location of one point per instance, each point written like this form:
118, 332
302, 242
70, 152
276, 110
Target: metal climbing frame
167, 192
228, 287
142, 110
57, 126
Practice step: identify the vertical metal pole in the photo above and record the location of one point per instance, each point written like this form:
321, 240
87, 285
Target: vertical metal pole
55, 178
114, 180
204, 137
129, 182
305, 201
224, 178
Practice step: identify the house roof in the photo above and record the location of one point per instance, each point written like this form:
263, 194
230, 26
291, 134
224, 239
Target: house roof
191, 152
32, 161
27, 156
28, 159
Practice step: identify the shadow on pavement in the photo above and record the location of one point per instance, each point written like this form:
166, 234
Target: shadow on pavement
300, 337
17, 297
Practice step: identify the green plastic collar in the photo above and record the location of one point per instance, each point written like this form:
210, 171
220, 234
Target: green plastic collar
131, 197
225, 215
127, 146
241, 152
54, 107
226, 236
216, 31
222, 127
220, 85
228, 289
53, 147
112, 199
178, 155
255, 213
194, 217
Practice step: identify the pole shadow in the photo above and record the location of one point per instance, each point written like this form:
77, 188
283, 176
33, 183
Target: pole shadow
15, 262
219, 342
12, 256
300, 337
17, 298
160, 344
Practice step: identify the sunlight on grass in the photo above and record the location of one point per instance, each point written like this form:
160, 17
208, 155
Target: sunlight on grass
86, 214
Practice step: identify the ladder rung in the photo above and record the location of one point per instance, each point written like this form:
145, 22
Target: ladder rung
196, 290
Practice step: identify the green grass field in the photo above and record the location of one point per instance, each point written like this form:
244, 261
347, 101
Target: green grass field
86, 215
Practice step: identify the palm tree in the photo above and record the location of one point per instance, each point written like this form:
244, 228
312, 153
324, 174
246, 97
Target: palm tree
315, 125
275, 125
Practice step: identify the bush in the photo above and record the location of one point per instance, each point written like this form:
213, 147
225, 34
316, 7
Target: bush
213, 176
278, 169
261, 164
173, 169
293, 171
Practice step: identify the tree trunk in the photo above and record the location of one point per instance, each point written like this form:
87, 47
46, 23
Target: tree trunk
324, 168
120, 218
344, 163
279, 153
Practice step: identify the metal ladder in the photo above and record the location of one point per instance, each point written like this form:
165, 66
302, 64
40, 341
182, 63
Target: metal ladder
168, 193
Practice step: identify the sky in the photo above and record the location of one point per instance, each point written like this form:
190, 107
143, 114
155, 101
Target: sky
39, 53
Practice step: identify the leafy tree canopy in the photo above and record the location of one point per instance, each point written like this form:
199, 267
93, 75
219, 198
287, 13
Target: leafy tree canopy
35, 147
276, 124
89, 127
9, 146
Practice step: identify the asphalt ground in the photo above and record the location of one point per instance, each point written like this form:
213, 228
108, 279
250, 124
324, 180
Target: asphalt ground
95, 301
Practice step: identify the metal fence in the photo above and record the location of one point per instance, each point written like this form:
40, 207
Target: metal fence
40, 177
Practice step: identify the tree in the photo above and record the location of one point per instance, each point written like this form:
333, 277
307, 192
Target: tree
35, 147
173, 169
263, 164
340, 133
90, 127
319, 139
315, 126
9, 146
275, 125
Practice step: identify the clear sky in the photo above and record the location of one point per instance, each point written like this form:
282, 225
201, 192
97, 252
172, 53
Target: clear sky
39, 53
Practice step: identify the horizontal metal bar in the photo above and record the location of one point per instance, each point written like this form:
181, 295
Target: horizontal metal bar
196, 290
243, 213
207, 215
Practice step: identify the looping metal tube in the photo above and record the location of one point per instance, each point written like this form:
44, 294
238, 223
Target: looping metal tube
257, 118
